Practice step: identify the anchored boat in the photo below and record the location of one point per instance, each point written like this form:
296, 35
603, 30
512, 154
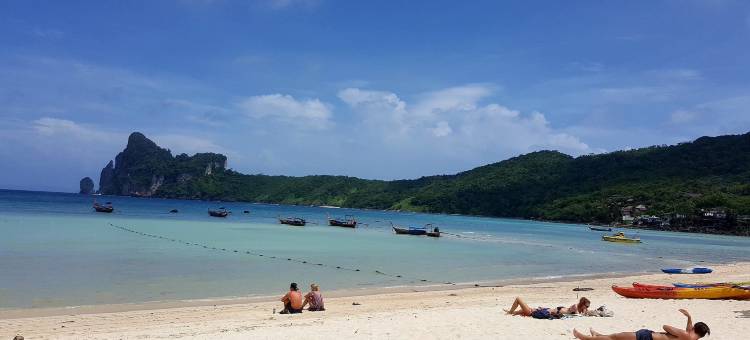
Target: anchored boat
108, 208
295, 221
222, 212
347, 222
435, 232
410, 231
621, 238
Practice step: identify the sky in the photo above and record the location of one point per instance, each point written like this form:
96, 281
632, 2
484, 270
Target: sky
372, 89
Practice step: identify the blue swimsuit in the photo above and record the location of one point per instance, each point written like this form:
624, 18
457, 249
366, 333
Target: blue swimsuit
644, 334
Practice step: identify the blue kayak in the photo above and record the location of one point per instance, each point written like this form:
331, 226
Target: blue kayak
698, 270
688, 285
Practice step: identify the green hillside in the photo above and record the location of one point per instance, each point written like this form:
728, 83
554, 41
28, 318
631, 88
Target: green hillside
671, 181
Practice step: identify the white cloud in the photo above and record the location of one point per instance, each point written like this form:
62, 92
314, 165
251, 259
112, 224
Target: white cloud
76, 136
203, 114
357, 97
186, 144
453, 122
378, 108
683, 116
47, 33
680, 74
442, 129
461, 98
55, 127
285, 108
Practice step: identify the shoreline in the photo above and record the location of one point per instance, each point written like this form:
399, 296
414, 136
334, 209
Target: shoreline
467, 312
26, 312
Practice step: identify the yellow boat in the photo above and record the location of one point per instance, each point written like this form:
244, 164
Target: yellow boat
620, 237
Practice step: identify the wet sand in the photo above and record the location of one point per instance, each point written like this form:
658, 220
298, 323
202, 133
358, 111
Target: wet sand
405, 313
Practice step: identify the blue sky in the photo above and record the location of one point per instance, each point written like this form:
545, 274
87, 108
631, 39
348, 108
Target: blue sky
370, 89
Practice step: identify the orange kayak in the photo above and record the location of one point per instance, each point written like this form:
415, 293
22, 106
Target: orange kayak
640, 291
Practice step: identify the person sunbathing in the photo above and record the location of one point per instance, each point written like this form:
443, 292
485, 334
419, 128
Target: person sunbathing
520, 307
314, 299
292, 300
691, 332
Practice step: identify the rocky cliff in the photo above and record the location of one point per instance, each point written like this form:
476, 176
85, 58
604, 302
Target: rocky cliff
144, 167
87, 186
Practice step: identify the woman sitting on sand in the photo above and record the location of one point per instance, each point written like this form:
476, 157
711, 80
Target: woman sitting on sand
292, 300
691, 332
314, 299
520, 307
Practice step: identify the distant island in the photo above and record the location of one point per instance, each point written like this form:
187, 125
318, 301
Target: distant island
701, 186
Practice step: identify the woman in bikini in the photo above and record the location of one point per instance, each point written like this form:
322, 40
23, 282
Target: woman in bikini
691, 332
520, 307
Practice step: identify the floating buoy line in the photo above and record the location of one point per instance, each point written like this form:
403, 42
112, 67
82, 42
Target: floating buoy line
273, 257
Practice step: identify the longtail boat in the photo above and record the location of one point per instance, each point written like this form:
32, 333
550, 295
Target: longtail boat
348, 222
410, 230
295, 221
435, 232
104, 208
600, 229
222, 212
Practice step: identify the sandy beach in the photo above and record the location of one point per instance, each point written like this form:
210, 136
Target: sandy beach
469, 313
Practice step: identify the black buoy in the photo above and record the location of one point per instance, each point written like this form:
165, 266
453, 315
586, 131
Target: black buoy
246, 212
174, 211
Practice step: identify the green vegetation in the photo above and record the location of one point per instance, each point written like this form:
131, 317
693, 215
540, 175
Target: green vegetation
670, 180
143, 167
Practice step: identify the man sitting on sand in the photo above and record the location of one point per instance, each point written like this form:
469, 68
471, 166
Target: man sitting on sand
292, 300
691, 332
314, 299
520, 307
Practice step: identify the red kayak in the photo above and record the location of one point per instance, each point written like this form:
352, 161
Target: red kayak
646, 292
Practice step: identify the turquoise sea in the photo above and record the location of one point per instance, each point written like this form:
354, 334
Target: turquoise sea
55, 251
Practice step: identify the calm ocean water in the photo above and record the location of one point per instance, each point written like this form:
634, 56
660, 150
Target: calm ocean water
55, 251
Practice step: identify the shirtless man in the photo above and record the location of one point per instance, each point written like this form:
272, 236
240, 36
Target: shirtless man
691, 332
292, 300
520, 307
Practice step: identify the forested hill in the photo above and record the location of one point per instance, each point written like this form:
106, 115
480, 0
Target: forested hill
710, 172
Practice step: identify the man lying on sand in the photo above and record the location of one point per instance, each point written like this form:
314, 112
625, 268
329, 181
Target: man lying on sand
292, 300
520, 307
691, 332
